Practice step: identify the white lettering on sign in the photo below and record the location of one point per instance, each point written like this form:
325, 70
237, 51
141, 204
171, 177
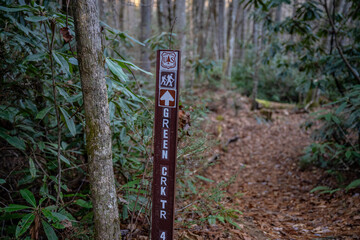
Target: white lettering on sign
164, 171
165, 144
165, 133
165, 123
166, 113
162, 192
163, 202
162, 214
164, 154
163, 181
163, 236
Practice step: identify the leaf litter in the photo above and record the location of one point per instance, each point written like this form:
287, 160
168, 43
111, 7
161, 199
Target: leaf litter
270, 189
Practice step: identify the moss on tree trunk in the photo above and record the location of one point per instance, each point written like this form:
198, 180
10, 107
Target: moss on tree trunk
97, 129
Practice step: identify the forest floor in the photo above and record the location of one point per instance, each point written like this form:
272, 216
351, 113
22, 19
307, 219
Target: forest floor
268, 186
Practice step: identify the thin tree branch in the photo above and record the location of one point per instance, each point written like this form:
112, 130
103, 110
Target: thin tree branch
338, 45
50, 46
337, 83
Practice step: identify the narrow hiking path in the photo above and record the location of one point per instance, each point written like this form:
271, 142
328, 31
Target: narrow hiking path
269, 187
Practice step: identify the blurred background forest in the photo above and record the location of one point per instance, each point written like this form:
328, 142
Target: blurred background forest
303, 56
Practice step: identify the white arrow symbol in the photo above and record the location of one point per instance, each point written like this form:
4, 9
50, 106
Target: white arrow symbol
167, 98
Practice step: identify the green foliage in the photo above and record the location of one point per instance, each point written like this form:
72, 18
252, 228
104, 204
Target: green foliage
338, 137
29, 120
210, 206
278, 81
324, 190
51, 217
206, 70
324, 49
161, 41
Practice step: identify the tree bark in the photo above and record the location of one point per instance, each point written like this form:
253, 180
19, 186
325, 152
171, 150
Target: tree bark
230, 46
214, 24
229, 22
180, 10
145, 32
160, 14
221, 28
242, 34
170, 13
122, 15
97, 129
254, 104
200, 28
101, 5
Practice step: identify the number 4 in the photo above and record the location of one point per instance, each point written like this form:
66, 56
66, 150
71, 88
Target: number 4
162, 236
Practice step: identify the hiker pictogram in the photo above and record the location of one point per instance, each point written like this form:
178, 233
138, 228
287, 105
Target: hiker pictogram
167, 79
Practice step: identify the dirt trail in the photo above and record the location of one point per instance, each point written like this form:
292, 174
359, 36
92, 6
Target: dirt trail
270, 190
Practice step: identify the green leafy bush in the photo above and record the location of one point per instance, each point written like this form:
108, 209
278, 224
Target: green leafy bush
278, 81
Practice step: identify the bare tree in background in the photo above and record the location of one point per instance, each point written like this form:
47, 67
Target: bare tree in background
254, 104
221, 28
145, 32
160, 14
97, 129
231, 40
121, 12
200, 9
180, 11
101, 7
242, 32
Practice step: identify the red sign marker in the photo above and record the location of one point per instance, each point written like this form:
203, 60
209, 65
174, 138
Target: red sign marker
165, 140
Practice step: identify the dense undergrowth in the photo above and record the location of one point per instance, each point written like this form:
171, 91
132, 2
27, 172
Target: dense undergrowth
44, 188
43, 176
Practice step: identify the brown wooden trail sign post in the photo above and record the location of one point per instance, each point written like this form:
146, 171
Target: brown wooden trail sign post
165, 141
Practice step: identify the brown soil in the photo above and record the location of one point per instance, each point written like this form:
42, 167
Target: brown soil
269, 188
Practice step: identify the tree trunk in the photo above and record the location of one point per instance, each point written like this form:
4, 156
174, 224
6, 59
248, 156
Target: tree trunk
254, 104
229, 23
101, 5
121, 10
160, 14
200, 28
180, 10
97, 129
214, 34
231, 36
194, 24
221, 28
242, 34
170, 13
214, 25
145, 32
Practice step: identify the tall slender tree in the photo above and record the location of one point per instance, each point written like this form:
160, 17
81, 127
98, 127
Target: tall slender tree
231, 40
121, 11
200, 6
221, 28
254, 104
243, 31
160, 14
97, 128
145, 32
180, 11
